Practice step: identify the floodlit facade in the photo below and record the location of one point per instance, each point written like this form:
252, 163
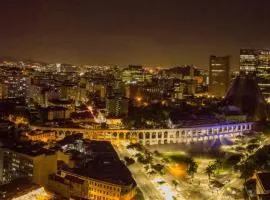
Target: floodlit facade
71, 185
186, 134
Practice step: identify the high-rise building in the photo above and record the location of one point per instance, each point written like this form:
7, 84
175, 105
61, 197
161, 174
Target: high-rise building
117, 106
257, 61
178, 91
3, 91
219, 75
27, 162
263, 72
248, 60
135, 74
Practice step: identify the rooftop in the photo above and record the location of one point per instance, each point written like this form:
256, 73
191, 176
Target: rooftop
29, 149
16, 188
105, 165
107, 168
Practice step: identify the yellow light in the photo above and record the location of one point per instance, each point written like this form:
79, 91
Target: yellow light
139, 98
37, 194
178, 170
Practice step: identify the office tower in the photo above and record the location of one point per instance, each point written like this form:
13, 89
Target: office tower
219, 75
257, 62
117, 106
263, 72
178, 91
248, 60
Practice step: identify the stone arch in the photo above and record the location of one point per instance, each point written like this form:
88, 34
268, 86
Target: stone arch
68, 133
61, 133
121, 135
128, 135
165, 134
177, 134
134, 135
141, 135
73, 132
114, 135
147, 135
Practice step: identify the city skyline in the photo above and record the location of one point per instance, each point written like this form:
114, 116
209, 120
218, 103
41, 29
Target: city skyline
145, 32
134, 100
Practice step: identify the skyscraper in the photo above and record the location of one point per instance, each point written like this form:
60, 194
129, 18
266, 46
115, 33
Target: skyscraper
116, 106
263, 72
248, 60
257, 61
219, 75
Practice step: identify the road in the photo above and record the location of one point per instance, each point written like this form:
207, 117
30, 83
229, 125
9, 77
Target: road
147, 187
150, 192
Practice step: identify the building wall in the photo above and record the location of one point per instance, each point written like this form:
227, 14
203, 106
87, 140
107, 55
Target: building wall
36, 168
3, 91
117, 106
219, 75
257, 61
90, 188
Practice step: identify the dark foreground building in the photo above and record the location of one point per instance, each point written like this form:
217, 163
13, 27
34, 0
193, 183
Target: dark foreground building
246, 95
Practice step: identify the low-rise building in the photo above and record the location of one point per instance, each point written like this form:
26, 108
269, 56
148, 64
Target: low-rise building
55, 113
102, 175
39, 135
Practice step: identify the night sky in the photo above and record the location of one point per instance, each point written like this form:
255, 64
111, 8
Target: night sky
155, 32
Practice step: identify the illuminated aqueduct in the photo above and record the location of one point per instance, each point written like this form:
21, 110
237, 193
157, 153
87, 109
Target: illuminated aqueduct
159, 136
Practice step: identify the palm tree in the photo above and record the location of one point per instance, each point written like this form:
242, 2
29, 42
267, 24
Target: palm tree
209, 171
218, 164
175, 183
192, 168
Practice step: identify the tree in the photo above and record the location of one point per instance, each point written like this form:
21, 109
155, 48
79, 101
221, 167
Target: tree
158, 167
129, 161
217, 165
209, 170
174, 183
192, 168
157, 153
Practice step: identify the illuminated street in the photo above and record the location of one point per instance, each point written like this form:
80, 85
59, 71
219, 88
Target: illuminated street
148, 188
